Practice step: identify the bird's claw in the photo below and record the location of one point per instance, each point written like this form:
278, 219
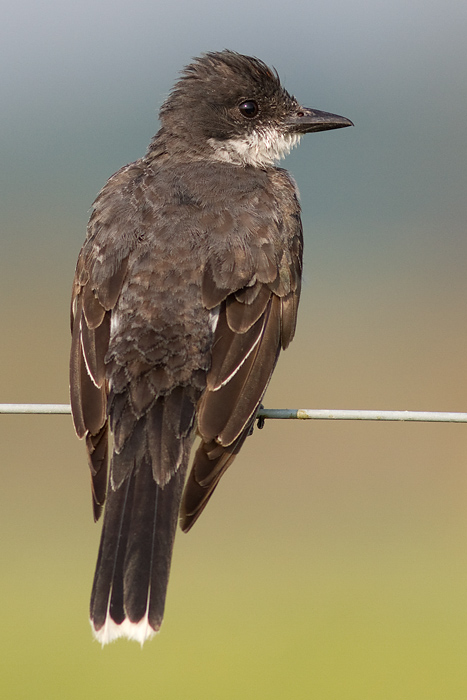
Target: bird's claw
259, 421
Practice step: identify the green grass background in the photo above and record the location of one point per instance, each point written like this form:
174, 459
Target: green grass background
331, 563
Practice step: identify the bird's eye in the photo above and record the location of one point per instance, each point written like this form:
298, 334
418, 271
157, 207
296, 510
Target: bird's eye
249, 108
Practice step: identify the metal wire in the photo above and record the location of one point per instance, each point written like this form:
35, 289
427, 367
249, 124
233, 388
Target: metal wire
343, 414
35, 408
281, 413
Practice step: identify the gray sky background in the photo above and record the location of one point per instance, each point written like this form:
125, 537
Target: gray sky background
384, 204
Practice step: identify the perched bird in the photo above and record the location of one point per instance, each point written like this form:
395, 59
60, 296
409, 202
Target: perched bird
186, 289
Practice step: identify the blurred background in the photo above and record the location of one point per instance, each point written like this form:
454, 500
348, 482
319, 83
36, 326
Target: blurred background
331, 562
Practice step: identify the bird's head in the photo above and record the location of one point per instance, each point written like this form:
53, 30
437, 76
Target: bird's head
233, 108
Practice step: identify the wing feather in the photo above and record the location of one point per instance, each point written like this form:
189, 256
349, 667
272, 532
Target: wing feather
289, 308
210, 463
94, 344
230, 350
91, 325
98, 449
226, 414
241, 313
224, 411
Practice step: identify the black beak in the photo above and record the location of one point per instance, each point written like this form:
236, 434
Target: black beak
304, 120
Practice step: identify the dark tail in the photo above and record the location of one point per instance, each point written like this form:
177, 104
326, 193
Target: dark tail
133, 565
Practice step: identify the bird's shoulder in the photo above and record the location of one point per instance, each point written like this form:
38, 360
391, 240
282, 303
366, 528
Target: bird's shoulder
239, 221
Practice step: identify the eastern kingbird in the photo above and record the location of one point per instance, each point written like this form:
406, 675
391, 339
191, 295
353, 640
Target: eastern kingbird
186, 289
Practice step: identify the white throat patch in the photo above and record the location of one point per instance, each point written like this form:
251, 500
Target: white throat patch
262, 147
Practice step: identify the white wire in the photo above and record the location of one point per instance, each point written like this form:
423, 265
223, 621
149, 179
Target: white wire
281, 413
35, 408
343, 414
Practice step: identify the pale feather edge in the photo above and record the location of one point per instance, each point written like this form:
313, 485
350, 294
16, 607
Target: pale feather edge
140, 631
